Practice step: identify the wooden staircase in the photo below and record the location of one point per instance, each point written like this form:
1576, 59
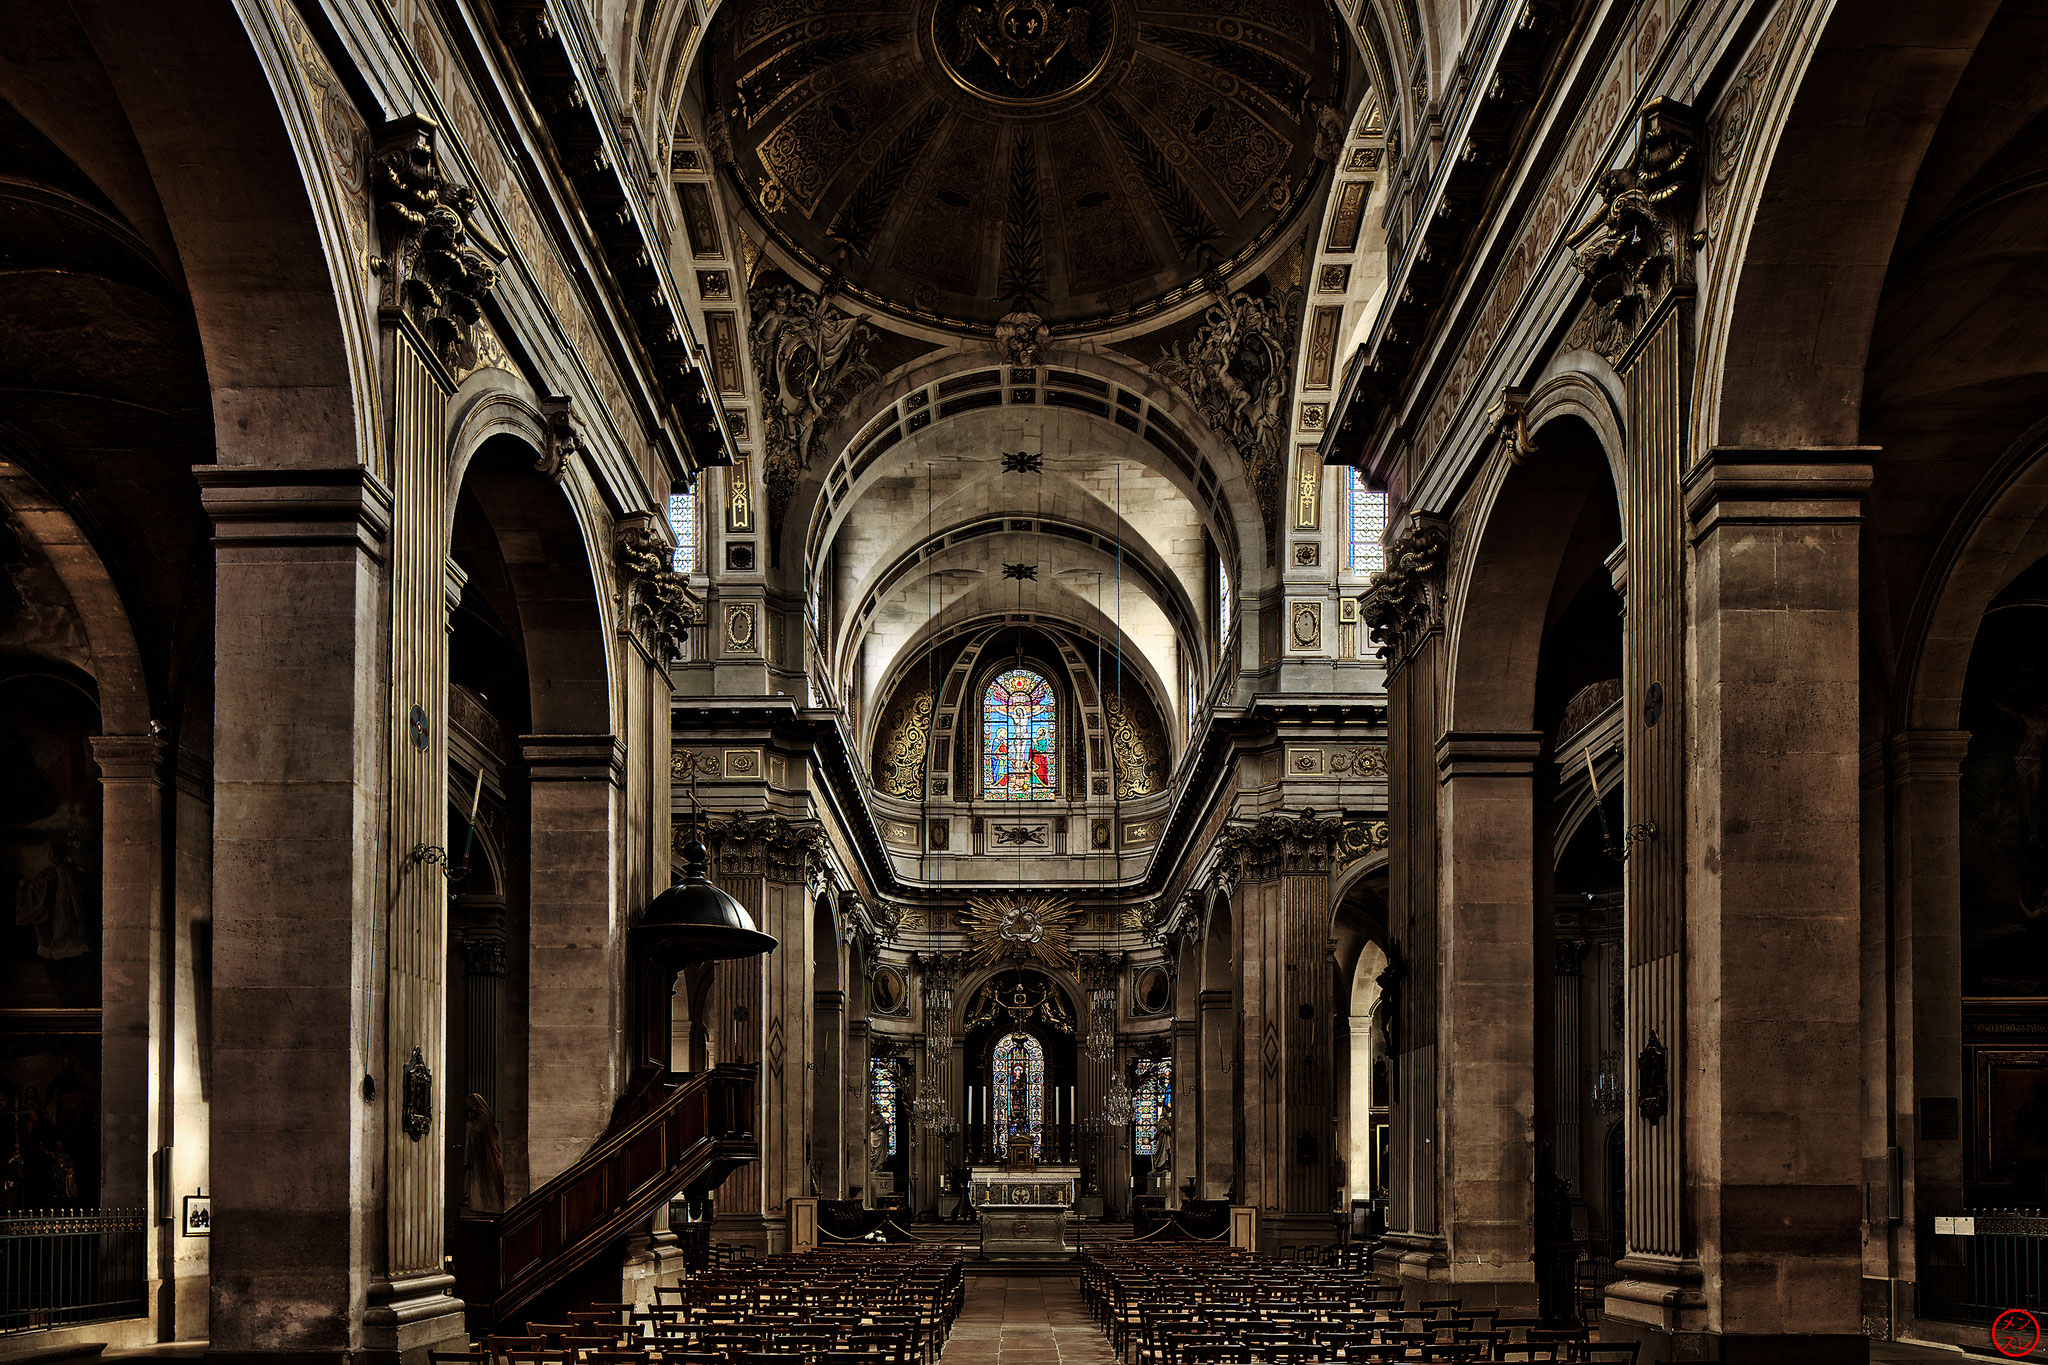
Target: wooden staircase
677, 1136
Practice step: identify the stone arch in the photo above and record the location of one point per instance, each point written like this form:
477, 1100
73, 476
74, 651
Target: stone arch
126, 698
1814, 207
554, 578
1080, 628
1181, 448
1526, 518
263, 236
1582, 385
2001, 531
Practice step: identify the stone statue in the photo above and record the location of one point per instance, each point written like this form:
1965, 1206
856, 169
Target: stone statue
483, 1162
1162, 1148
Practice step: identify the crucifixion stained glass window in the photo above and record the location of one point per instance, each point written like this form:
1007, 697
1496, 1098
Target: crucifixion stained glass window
883, 1078
1149, 1102
1365, 521
1017, 1076
1019, 738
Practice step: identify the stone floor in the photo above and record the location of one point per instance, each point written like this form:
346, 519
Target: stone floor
1026, 1320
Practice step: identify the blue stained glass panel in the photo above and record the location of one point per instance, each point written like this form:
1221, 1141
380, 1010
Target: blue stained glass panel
1017, 1075
1151, 1099
1365, 522
682, 519
1020, 738
884, 1081
1226, 598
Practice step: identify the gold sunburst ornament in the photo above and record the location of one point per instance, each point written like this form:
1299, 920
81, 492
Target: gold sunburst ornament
1021, 926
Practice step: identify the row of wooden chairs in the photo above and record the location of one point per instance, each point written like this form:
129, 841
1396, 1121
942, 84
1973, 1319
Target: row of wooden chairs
1176, 1304
875, 1305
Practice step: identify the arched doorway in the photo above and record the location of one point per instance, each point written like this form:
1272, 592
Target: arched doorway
1022, 1068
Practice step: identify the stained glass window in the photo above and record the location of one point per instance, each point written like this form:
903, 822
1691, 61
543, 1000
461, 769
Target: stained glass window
1365, 521
682, 516
1226, 599
1017, 1075
884, 1082
1151, 1099
1019, 738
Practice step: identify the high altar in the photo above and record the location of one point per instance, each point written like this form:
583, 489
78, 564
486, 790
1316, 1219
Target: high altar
1025, 1206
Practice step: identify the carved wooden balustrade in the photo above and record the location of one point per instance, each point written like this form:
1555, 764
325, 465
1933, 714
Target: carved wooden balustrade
677, 1137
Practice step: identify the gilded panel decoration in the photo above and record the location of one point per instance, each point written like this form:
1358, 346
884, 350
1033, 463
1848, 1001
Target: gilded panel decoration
699, 220
1360, 838
725, 351
739, 495
1364, 761
741, 634
901, 745
1308, 488
1305, 627
1322, 346
1140, 748
1348, 216
1305, 762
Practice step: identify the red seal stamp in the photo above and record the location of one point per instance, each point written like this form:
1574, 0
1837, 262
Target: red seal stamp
2016, 1333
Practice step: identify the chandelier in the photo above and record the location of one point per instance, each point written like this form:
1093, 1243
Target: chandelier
1101, 1041
938, 1008
1607, 1094
1118, 1105
1099, 975
930, 1105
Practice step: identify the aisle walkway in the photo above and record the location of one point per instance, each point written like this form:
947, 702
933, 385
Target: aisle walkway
1026, 1320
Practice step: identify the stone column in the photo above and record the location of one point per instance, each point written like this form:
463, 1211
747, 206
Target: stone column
1485, 1033
300, 718
828, 1085
1116, 1167
482, 921
1568, 1071
859, 1096
135, 975
1359, 1176
1218, 1093
575, 945
1771, 1072
1307, 1033
763, 1005
1187, 1071
1405, 615
1926, 985
1280, 865
1261, 1094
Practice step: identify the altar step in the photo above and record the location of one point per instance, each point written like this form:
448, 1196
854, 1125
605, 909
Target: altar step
968, 1240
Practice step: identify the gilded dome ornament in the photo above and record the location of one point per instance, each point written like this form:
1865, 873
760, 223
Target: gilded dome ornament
1023, 36
1019, 925
1016, 169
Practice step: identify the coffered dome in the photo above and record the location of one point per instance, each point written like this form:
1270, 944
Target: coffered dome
947, 158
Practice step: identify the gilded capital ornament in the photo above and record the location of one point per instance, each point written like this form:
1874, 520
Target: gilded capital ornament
765, 846
1637, 249
1405, 600
655, 602
1280, 845
564, 436
431, 271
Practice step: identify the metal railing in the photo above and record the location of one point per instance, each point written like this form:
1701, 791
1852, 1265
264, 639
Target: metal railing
60, 1267
1974, 1266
